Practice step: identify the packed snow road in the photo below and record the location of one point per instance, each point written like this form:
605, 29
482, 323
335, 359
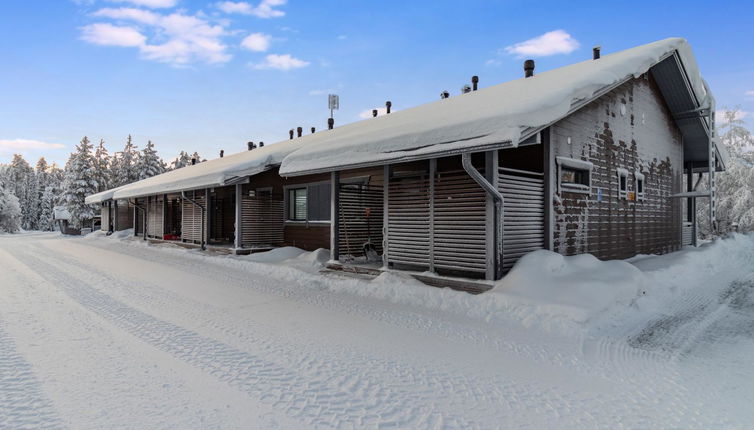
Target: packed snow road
108, 333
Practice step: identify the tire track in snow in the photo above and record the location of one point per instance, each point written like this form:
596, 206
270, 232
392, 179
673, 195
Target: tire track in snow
649, 387
313, 401
22, 402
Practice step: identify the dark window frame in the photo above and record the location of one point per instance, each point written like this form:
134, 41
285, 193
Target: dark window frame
315, 209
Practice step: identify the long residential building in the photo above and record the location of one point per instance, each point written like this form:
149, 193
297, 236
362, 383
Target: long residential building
597, 157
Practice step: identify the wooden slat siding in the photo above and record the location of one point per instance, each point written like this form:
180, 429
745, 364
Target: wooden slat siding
688, 233
354, 230
459, 223
408, 225
524, 214
105, 217
644, 138
263, 222
191, 218
139, 214
308, 237
154, 214
125, 215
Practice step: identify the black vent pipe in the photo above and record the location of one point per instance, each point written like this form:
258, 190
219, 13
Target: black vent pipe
528, 68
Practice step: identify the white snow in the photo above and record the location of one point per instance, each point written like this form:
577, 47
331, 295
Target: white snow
111, 332
492, 115
209, 173
61, 213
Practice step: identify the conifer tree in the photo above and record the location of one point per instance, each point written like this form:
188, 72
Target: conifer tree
80, 182
102, 167
149, 163
22, 183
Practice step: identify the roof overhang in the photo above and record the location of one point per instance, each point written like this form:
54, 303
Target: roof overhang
690, 112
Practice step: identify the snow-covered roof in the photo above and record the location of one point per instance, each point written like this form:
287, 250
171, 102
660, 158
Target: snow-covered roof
484, 118
61, 212
210, 173
101, 196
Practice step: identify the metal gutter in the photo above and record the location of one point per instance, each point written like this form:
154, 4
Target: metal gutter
144, 212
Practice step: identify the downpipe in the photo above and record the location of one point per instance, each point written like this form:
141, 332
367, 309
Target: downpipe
204, 210
144, 217
496, 196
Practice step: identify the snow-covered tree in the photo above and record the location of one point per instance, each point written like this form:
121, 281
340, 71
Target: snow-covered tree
735, 186
124, 165
102, 167
80, 182
182, 160
149, 163
10, 211
22, 183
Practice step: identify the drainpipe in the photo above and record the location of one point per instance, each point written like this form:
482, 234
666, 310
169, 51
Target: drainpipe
144, 218
203, 209
496, 196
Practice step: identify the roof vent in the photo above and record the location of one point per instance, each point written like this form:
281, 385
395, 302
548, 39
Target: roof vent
222, 152
374, 113
261, 144
444, 95
388, 105
299, 131
290, 134
474, 82
596, 52
528, 68
330, 123
250, 145
465, 89
313, 130
193, 161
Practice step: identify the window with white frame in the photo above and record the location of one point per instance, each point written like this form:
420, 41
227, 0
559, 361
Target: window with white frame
639, 177
574, 176
622, 183
309, 202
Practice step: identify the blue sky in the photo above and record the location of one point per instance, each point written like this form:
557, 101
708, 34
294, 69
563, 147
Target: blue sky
204, 75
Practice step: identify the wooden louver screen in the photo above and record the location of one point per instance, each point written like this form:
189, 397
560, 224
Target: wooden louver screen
524, 214
105, 218
459, 223
355, 228
688, 234
191, 219
408, 221
139, 214
154, 223
263, 221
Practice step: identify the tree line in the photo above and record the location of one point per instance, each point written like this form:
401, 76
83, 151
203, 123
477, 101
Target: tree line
28, 195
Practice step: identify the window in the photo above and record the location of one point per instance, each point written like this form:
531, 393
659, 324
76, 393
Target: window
574, 176
308, 202
297, 204
639, 185
622, 183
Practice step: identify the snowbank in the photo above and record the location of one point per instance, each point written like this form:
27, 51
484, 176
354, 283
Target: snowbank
574, 288
492, 115
545, 290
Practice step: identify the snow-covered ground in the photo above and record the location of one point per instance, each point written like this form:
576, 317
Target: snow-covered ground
108, 332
